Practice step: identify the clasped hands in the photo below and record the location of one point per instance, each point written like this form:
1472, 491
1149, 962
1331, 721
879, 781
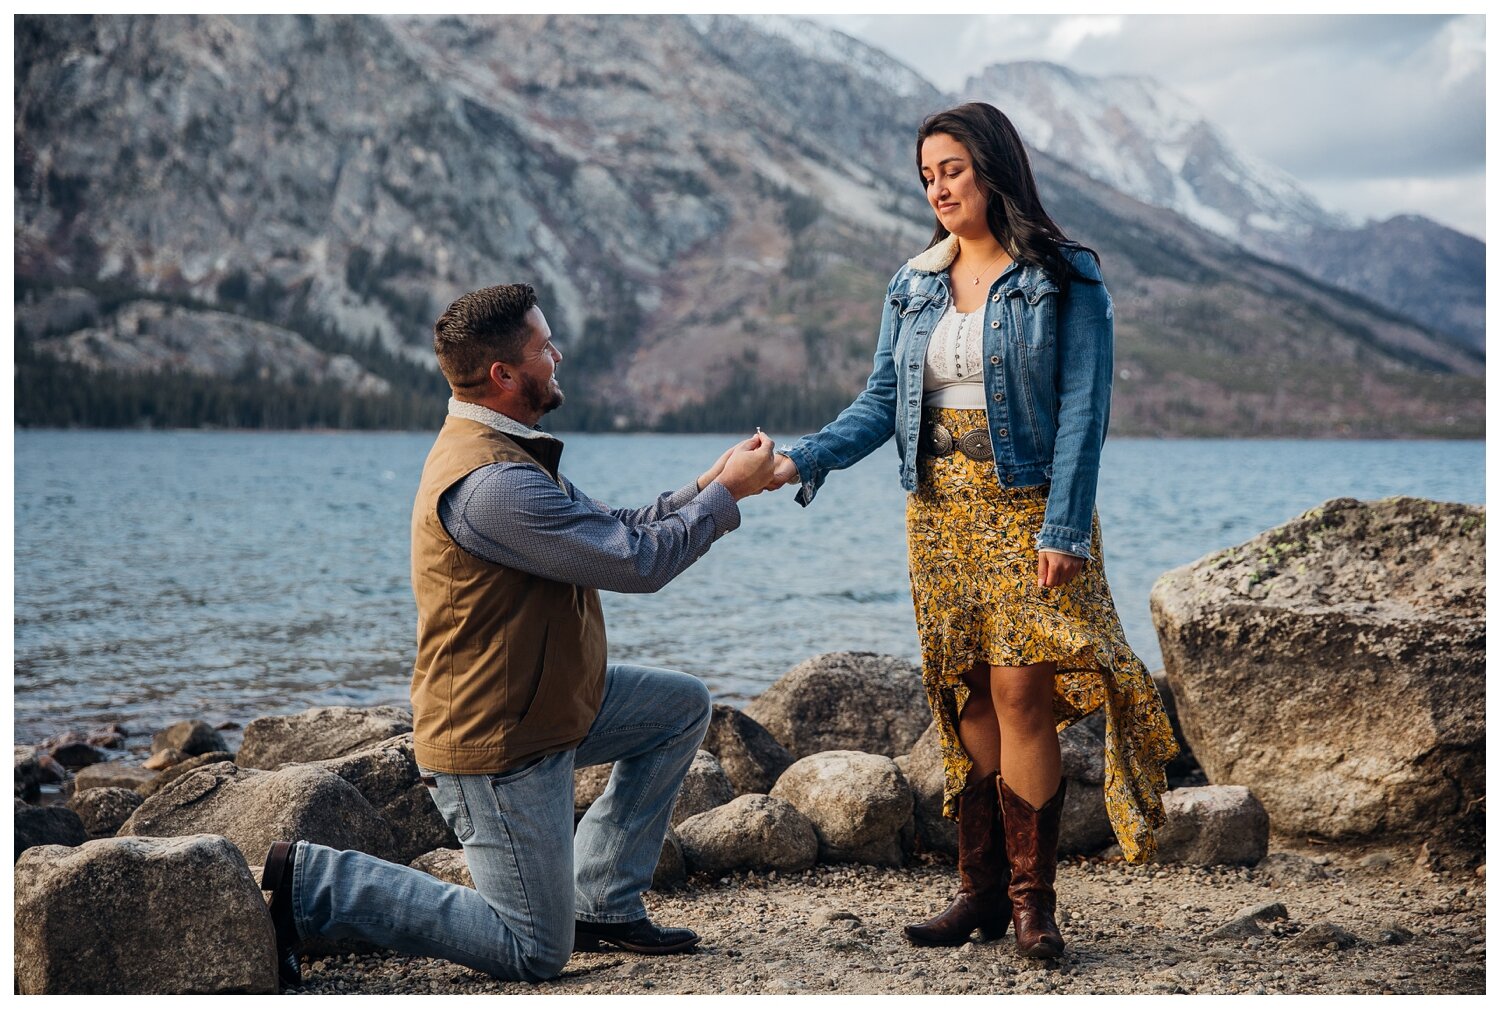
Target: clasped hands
749, 467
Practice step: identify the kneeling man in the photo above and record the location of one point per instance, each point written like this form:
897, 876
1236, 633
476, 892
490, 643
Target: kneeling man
511, 689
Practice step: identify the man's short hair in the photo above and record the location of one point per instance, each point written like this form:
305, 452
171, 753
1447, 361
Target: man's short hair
482, 327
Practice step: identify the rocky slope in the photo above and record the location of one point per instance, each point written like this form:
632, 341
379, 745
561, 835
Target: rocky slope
709, 207
1142, 139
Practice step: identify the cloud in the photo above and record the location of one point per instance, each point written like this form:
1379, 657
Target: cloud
1359, 108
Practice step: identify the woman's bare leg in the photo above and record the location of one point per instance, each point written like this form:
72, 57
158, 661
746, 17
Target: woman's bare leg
1030, 758
978, 729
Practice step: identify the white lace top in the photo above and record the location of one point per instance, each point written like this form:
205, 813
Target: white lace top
953, 373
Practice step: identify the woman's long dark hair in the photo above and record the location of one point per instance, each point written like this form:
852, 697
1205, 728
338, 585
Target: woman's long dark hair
1014, 211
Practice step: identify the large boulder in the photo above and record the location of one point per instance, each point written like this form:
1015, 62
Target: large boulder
703, 787
113, 774
192, 737
671, 865
859, 804
318, 734
141, 916
845, 701
751, 757
36, 826
386, 775
1335, 664
253, 808
749, 832
1084, 827
1213, 825
104, 810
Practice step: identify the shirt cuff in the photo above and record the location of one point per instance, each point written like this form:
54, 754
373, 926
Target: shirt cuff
1065, 553
682, 496
722, 506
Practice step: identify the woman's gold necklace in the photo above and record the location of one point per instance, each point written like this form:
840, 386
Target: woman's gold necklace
992, 262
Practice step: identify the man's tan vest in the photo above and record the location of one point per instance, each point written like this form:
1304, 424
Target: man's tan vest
510, 666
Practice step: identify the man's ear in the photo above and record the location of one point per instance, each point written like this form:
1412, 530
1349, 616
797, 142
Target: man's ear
501, 375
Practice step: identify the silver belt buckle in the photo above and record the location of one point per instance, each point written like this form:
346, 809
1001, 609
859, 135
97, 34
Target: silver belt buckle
976, 445
939, 441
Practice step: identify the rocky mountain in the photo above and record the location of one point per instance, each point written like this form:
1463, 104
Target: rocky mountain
709, 207
1144, 140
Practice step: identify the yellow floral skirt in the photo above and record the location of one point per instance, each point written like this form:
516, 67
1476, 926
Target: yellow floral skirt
973, 560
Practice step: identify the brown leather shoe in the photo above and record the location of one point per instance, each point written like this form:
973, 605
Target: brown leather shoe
1031, 843
276, 876
983, 872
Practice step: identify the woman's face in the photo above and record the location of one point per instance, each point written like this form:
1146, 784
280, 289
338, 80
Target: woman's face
952, 188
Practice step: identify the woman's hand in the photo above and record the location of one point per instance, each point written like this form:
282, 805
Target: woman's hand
1054, 569
785, 473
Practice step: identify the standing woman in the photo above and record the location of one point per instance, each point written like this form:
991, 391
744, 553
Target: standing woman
993, 372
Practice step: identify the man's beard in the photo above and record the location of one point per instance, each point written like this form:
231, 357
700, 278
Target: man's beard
540, 397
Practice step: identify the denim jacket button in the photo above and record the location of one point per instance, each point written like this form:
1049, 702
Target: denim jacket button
999, 396
995, 324
1009, 478
994, 359
994, 297
1004, 433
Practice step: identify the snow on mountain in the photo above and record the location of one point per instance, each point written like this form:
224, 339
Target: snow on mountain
830, 45
1148, 142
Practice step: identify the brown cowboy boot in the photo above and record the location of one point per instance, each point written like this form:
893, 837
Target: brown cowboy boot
1031, 842
983, 873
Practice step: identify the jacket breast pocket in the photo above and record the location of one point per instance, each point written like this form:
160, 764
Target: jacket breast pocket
908, 311
1034, 314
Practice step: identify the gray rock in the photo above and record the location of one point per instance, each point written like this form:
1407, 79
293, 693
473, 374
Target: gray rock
171, 774
923, 770
1184, 763
749, 832
447, 864
827, 916
845, 701
112, 774
103, 810
192, 737
1284, 867
588, 784
1378, 861
141, 916
1393, 933
386, 774
1247, 922
77, 753
28, 773
42, 825
859, 804
1213, 825
253, 808
703, 788
1336, 664
318, 734
1082, 746
751, 757
671, 867
1325, 934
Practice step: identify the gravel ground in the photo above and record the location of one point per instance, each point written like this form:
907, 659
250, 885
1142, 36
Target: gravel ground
1359, 920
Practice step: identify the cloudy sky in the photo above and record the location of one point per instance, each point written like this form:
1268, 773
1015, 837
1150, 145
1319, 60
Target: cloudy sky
1375, 114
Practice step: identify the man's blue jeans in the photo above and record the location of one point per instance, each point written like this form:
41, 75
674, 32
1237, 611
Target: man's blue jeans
532, 874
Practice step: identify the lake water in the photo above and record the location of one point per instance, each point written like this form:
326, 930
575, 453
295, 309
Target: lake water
225, 575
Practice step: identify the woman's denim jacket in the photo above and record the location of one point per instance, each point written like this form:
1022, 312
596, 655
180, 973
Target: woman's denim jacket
1047, 372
